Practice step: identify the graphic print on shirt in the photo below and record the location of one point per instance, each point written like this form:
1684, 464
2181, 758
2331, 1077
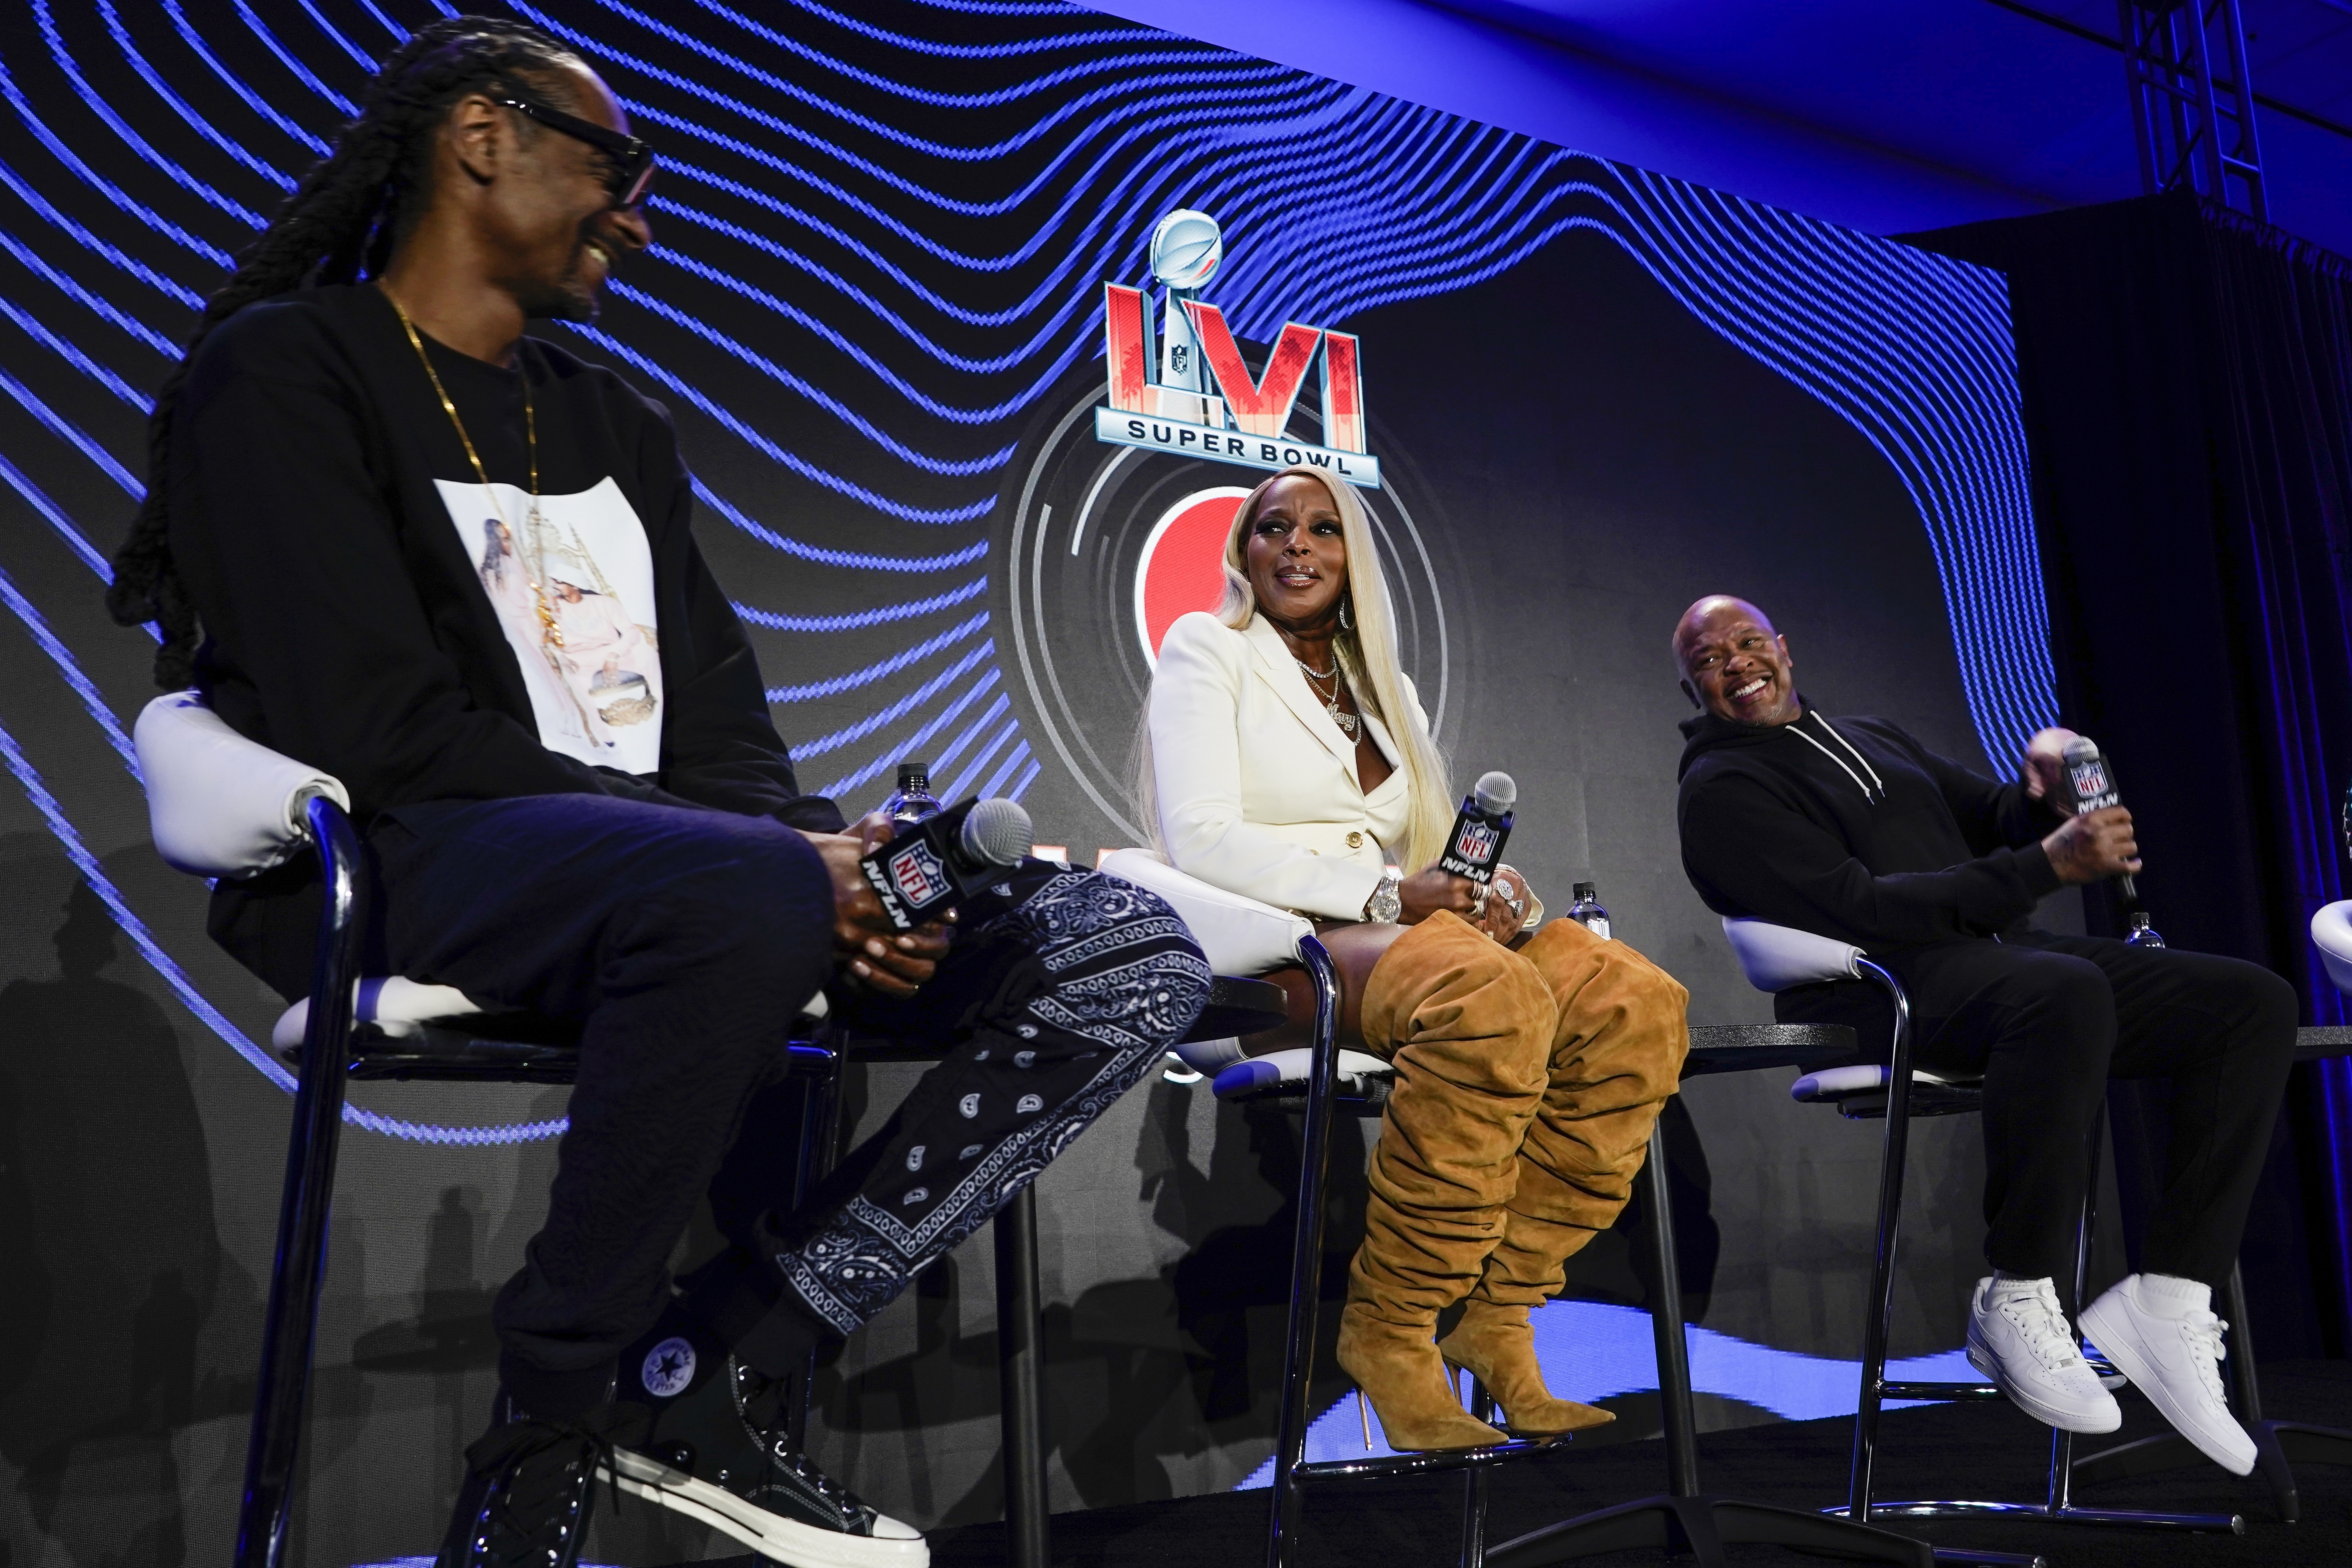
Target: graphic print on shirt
596, 695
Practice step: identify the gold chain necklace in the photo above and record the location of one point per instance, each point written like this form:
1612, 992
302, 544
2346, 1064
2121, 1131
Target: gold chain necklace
552, 633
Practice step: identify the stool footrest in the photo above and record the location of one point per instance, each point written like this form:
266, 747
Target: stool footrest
2230, 1523
1938, 1391
1927, 1099
1382, 1467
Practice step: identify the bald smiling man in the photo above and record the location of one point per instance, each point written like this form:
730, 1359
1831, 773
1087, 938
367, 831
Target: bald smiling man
1852, 829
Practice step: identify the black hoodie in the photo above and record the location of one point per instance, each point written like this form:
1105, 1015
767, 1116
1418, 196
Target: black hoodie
1855, 831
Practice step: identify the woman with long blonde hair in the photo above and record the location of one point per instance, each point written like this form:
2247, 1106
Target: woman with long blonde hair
1285, 757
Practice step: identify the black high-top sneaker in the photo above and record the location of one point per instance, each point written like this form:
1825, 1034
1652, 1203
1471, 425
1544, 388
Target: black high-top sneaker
530, 1486
719, 1451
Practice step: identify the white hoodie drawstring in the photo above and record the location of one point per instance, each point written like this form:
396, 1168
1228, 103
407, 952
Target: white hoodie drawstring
1865, 788
1854, 754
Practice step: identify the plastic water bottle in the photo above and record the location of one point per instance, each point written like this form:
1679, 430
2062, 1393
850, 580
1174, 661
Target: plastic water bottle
912, 801
2142, 934
1586, 911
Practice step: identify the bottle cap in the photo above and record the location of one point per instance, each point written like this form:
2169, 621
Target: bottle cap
914, 776
1584, 890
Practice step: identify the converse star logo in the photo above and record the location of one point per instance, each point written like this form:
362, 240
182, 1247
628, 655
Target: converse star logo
669, 1367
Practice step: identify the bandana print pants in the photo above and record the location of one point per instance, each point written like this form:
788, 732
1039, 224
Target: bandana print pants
1063, 989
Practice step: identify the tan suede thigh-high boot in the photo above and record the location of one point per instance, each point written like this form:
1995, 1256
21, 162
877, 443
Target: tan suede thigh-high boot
1469, 1025
1615, 1056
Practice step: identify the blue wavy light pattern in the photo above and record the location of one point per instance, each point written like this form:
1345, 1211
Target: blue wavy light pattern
872, 268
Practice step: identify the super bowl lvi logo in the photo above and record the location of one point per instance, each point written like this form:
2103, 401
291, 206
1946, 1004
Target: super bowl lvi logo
1197, 397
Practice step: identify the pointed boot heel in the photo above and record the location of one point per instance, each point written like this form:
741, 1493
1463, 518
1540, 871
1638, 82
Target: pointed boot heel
1496, 1345
1400, 1371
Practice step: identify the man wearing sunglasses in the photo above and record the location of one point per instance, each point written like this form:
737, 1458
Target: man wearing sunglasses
374, 511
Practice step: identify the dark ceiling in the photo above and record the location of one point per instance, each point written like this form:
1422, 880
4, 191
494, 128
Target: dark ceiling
1886, 114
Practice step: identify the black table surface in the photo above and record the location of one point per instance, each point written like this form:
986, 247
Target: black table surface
1240, 1006
1743, 1048
1747, 1047
2326, 1040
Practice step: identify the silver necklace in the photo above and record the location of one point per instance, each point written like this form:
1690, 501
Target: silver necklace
1350, 724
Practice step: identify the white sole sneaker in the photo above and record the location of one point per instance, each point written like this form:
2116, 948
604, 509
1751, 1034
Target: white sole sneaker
2116, 1328
2048, 1414
771, 1536
2093, 1412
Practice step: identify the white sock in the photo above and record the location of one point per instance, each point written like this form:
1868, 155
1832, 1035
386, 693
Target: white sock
2006, 1287
2166, 1296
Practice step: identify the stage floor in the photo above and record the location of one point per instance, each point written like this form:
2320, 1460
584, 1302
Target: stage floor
1978, 1450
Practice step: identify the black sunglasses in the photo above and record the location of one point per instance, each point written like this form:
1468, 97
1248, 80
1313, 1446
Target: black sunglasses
632, 173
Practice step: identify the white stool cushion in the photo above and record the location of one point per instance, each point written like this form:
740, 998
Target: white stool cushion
1209, 1055
1845, 1083
2331, 932
1775, 958
1239, 936
399, 1008
1256, 1075
219, 805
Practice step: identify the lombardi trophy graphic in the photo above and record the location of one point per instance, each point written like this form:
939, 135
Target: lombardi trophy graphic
1194, 392
1185, 250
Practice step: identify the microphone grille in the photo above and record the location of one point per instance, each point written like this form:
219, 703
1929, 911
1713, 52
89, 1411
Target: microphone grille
997, 830
2081, 749
1495, 793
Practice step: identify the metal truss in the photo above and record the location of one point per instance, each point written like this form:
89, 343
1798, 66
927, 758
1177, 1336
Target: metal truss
2192, 130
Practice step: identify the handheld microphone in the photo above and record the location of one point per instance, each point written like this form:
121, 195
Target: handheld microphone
1481, 828
941, 859
2091, 785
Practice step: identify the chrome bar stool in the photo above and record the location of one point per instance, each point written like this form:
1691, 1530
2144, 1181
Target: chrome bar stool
1684, 1518
1364, 1091
1776, 958
221, 806
1244, 939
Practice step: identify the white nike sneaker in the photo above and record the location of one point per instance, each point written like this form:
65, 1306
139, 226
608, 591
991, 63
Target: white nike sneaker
2175, 1360
2021, 1341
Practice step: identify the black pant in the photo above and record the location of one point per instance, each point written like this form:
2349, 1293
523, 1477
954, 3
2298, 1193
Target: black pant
685, 942
2048, 1019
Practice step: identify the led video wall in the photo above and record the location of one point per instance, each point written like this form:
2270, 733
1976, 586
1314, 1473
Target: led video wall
958, 460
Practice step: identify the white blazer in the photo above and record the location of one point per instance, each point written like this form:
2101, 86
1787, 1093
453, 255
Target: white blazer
1258, 788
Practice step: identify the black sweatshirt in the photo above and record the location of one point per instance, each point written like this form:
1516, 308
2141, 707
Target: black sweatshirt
347, 606
1856, 831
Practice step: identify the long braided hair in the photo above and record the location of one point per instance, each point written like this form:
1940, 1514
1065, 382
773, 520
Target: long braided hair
340, 225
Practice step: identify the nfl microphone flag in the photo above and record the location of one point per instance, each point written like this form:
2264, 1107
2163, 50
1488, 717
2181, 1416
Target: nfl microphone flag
927, 868
1481, 828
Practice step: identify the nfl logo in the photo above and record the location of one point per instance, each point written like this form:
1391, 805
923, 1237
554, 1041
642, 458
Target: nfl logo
1476, 843
918, 874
